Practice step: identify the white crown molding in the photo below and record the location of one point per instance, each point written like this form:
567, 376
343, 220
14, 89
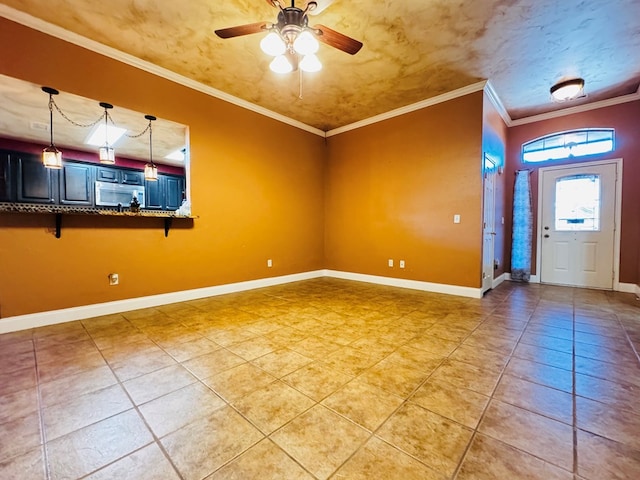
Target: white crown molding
63, 34
445, 97
497, 103
632, 97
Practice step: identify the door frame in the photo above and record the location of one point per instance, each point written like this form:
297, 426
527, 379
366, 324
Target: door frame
616, 220
486, 172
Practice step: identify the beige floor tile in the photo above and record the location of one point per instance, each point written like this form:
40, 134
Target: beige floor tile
350, 360
142, 364
156, 384
316, 380
109, 439
537, 398
320, 440
434, 345
60, 352
63, 418
230, 335
480, 357
254, 347
263, 461
603, 420
481, 380
378, 459
542, 374
213, 363
315, 347
434, 440
622, 396
489, 459
192, 348
394, 378
285, 336
282, 362
272, 406
536, 353
203, 446
148, 463
58, 369
363, 403
125, 349
623, 374
66, 389
600, 458
421, 360
18, 404
459, 404
175, 410
540, 436
12, 381
19, 436
17, 356
28, 465
237, 382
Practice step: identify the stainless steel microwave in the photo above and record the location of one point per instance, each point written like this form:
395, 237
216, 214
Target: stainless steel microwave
115, 194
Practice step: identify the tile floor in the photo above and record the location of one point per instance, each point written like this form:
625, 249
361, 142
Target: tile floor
331, 379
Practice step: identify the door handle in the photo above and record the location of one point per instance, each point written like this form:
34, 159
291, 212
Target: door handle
546, 235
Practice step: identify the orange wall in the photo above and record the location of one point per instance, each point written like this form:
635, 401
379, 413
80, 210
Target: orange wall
494, 142
624, 118
393, 187
253, 203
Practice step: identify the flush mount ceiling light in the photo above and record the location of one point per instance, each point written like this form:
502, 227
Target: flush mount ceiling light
51, 156
568, 90
291, 40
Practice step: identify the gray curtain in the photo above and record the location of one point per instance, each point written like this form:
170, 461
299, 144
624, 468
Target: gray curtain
522, 227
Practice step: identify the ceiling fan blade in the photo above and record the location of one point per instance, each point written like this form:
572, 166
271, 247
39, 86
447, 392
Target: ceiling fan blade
242, 30
322, 5
337, 39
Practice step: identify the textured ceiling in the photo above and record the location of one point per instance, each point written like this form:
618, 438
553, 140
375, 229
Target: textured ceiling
413, 50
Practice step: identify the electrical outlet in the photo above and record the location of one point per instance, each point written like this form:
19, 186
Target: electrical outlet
456, 218
269, 263
114, 279
391, 262
401, 263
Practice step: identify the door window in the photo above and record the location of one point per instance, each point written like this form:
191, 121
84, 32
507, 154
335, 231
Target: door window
577, 205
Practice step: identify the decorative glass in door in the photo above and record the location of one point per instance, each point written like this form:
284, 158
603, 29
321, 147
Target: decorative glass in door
577, 203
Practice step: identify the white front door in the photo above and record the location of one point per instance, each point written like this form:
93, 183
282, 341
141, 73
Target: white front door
578, 225
488, 230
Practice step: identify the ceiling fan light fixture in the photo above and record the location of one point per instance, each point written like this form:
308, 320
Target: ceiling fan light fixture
306, 43
310, 63
567, 90
280, 64
273, 44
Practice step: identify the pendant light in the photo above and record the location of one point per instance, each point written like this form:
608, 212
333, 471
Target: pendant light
150, 169
107, 154
51, 156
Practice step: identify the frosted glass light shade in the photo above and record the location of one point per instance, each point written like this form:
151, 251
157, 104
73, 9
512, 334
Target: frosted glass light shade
310, 63
568, 90
273, 44
107, 155
280, 64
150, 172
52, 157
306, 43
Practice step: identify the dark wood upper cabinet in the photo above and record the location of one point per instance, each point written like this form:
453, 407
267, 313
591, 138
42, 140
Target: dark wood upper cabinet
36, 183
77, 184
6, 178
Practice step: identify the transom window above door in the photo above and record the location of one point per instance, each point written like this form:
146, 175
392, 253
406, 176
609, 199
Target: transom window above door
575, 143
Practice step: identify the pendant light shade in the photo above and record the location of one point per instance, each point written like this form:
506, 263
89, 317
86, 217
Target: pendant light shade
107, 154
51, 156
310, 63
150, 169
306, 43
280, 64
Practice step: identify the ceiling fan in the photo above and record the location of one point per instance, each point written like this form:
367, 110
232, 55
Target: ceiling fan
291, 40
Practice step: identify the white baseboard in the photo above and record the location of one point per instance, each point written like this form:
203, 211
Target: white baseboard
32, 320
411, 284
499, 280
626, 287
637, 292
532, 278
